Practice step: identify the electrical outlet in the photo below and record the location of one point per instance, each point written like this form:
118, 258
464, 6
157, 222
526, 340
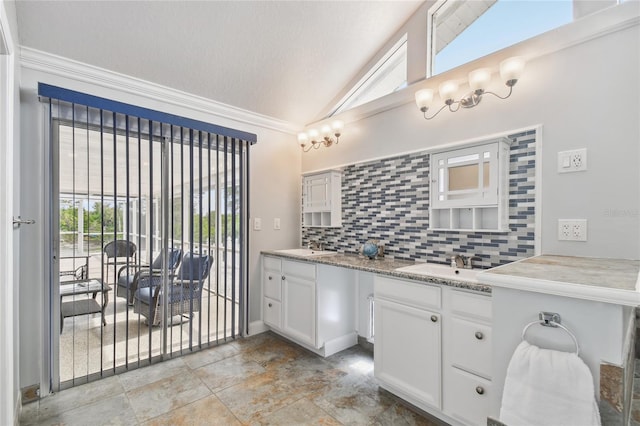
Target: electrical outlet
276, 223
572, 229
572, 161
579, 230
257, 224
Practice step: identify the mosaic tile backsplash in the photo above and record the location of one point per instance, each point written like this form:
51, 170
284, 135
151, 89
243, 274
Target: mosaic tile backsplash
388, 200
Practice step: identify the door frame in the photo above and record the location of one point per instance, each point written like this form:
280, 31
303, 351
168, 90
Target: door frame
10, 402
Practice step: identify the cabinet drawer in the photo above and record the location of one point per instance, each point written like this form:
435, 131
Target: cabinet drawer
272, 284
299, 269
272, 313
468, 398
471, 346
473, 305
407, 292
271, 263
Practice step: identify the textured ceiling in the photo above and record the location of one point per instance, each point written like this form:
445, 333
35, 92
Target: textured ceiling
283, 59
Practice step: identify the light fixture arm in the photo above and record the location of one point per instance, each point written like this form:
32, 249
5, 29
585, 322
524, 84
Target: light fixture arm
424, 111
501, 97
458, 103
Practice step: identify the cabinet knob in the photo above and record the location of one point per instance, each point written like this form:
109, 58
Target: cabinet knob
479, 390
479, 335
271, 305
270, 277
434, 318
283, 278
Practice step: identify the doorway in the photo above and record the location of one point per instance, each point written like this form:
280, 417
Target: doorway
141, 209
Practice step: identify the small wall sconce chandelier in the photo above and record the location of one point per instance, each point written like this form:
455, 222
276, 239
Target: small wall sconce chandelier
323, 137
510, 70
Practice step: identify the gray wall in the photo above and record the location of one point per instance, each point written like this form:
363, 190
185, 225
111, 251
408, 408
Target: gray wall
584, 96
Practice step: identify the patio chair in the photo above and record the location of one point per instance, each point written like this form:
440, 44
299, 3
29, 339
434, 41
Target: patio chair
118, 252
129, 275
184, 290
79, 273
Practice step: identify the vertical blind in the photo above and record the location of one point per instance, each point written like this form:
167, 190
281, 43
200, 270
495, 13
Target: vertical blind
158, 184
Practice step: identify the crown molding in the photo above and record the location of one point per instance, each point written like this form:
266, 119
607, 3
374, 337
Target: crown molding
63, 67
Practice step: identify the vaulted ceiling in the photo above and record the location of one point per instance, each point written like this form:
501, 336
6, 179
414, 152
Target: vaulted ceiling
283, 59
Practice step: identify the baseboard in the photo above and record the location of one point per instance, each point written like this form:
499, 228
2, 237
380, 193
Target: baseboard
18, 410
365, 343
341, 343
257, 327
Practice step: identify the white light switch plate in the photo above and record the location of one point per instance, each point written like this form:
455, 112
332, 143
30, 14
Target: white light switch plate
572, 161
276, 223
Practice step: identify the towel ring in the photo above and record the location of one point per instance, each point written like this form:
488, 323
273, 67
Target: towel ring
549, 319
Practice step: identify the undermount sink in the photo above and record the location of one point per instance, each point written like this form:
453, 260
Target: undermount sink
305, 252
441, 271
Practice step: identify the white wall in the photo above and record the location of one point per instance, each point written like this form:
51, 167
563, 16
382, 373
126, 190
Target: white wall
274, 192
584, 96
9, 150
416, 29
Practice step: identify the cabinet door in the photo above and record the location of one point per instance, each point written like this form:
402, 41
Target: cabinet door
407, 350
316, 192
299, 309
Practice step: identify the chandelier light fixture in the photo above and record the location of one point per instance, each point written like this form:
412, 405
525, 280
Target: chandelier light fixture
324, 137
510, 70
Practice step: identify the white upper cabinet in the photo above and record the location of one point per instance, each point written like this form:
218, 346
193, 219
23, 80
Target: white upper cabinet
469, 187
322, 199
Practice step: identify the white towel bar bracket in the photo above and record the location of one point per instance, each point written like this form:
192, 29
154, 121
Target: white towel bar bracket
551, 319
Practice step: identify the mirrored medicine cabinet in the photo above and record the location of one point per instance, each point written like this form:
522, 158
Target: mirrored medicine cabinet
469, 187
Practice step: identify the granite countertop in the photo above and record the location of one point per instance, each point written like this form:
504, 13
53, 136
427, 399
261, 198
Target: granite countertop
384, 266
605, 280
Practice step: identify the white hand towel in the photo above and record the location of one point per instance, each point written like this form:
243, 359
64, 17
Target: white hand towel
547, 387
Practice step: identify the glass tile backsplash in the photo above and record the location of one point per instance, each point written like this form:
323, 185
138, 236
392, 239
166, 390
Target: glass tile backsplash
388, 200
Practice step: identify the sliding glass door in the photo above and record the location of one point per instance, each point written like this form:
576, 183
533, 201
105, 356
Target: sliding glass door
148, 241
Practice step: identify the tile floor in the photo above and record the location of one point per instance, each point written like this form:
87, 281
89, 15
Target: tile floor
262, 379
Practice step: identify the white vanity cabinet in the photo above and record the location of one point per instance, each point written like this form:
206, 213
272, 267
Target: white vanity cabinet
407, 350
299, 301
467, 354
433, 348
313, 305
322, 199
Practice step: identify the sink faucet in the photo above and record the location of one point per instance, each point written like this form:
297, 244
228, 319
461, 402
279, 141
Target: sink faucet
459, 261
462, 261
315, 245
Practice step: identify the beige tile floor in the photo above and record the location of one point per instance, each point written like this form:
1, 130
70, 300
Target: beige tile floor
262, 379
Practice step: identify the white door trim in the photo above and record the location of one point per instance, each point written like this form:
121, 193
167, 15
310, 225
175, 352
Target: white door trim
9, 394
